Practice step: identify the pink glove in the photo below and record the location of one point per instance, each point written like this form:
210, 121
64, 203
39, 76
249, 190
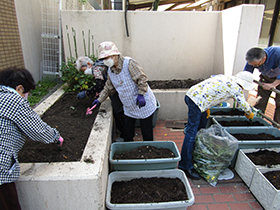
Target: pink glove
60, 141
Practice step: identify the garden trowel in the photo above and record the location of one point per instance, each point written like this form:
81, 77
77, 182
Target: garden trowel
89, 109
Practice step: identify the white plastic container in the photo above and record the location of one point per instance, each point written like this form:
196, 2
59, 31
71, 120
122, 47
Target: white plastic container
264, 191
246, 168
129, 175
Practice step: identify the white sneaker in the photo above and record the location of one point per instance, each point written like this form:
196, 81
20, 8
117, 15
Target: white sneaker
119, 139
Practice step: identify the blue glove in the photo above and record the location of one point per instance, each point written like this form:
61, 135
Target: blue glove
82, 94
140, 101
95, 102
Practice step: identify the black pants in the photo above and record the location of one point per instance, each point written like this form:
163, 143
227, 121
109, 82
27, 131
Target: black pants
119, 119
265, 94
9, 197
146, 126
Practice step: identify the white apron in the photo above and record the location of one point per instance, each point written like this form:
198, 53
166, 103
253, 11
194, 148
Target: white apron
128, 92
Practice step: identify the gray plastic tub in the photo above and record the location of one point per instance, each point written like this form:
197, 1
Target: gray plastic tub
143, 164
129, 175
252, 144
218, 120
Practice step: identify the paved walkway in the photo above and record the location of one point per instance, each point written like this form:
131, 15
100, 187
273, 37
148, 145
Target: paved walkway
227, 195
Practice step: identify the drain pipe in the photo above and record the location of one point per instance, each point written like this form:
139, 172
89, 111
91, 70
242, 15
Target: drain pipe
125, 17
59, 38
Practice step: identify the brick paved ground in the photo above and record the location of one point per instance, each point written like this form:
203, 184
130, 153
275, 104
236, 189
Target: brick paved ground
232, 194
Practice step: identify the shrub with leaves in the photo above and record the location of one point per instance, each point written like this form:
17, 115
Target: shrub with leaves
75, 80
42, 88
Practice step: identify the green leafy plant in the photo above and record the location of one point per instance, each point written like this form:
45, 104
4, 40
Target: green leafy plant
83, 1
76, 80
42, 88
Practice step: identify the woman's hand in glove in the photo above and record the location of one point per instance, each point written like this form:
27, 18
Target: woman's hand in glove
140, 101
82, 95
250, 116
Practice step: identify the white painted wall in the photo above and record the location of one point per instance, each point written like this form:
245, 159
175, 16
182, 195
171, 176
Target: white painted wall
30, 28
173, 45
241, 27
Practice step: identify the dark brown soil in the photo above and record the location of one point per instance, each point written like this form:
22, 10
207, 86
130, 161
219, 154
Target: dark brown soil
264, 157
240, 123
230, 113
260, 136
68, 116
145, 152
274, 178
267, 158
148, 190
171, 84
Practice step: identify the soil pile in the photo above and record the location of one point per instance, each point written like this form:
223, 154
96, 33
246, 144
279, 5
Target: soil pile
145, 152
148, 190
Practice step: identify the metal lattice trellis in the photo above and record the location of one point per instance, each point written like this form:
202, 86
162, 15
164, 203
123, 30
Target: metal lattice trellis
51, 45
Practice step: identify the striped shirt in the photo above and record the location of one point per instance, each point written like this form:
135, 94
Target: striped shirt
17, 120
137, 75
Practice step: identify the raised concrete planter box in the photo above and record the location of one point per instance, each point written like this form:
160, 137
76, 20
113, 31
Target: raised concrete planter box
264, 191
129, 175
246, 168
172, 104
70, 185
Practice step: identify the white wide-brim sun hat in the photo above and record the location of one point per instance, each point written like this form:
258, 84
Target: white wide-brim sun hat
245, 79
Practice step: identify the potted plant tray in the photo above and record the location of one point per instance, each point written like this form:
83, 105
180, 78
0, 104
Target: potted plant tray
129, 175
246, 168
143, 164
264, 191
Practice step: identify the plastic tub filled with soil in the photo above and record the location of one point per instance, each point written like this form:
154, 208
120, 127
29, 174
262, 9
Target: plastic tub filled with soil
255, 137
240, 121
144, 155
226, 112
248, 160
266, 187
157, 189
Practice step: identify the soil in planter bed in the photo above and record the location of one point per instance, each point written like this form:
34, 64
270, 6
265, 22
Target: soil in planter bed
264, 157
274, 178
260, 136
68, 116
230, 113
148, 190
145, 152
171, 84
268, 158
240, 123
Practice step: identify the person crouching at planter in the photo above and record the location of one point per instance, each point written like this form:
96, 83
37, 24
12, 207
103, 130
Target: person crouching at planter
99, 71
126, 77
17, 120
200, 98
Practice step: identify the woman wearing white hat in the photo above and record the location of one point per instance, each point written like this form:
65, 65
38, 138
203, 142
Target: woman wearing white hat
127, 77
200, 98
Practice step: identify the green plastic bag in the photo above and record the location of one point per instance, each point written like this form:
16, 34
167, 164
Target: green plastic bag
213, 151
